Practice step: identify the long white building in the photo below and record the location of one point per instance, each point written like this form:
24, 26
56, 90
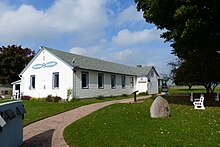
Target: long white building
54, 72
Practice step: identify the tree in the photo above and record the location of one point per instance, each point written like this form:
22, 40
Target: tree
181, 75
193, 29
13, 59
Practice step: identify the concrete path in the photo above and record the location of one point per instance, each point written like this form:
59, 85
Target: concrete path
49, 132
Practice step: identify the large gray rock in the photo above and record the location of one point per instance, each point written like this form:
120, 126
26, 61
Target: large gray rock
160, 108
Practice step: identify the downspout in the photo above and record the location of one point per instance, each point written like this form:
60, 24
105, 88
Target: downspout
74, 79
21, 93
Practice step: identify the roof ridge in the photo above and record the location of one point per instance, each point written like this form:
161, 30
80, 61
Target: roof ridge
90, 63
88, 57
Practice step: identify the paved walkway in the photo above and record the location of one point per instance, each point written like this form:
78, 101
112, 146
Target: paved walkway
49, 132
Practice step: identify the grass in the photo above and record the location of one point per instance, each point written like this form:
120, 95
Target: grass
40, 110
131, 125
5, 100
185, 90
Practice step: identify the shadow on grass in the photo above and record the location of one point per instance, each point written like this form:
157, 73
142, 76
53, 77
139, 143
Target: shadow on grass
184, 99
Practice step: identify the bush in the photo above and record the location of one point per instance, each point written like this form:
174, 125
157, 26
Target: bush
100, 97
74, 99
51, 98
124, 95
111, 96
32, 99
41, 99
143, 93
25, 97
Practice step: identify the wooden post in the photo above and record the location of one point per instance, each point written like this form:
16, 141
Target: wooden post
135, 100
135, 95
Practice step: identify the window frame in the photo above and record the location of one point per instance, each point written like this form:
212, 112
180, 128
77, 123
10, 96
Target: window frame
86, 80
100, 77
123, 82
32, 82
113, 81
132, 82
56, 76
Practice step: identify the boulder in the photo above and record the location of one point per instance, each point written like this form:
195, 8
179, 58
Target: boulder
160, 108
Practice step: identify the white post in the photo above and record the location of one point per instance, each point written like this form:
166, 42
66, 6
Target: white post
217, 97
191, 97
13, 91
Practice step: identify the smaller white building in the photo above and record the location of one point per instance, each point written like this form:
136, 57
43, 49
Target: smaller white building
58, 73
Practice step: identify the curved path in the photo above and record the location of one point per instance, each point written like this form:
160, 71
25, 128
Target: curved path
49, 132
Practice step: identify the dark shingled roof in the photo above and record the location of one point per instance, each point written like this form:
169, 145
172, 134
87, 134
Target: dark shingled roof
83, 62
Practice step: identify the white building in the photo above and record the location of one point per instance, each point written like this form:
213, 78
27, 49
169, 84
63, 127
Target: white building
54, 72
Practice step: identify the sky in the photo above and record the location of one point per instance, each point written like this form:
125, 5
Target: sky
111, 30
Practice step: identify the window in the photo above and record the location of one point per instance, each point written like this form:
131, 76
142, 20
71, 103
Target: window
32, 82
123, 81
85, 80
56, 80
132, 82
100, 81
113, 81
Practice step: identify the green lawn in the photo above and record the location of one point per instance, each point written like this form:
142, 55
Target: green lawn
131, 125
184, 89
5, 100
39, 110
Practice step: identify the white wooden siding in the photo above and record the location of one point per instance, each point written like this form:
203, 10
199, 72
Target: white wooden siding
44, 77
141, 85
149, 83
94, 91
68, 80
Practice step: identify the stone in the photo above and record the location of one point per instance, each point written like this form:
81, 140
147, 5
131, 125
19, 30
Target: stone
160, 108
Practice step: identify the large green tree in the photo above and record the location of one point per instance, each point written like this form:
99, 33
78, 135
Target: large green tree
193, 29
13, 59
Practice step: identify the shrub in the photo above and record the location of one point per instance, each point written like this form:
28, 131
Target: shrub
38, 99
100, 97
25, 97
51, 98
56, 99
111, 96
32, 99
42, 99
124, 95
69, 93
10, 92
74, 99
142, 93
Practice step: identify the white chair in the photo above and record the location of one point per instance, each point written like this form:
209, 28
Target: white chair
199, 103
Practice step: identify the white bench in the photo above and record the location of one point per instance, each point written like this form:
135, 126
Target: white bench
199, 103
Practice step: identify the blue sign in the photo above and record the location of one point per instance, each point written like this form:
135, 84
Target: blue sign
43, 65
37, 66
51, 64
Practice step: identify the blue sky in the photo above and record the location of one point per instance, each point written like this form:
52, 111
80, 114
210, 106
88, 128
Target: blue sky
111, 30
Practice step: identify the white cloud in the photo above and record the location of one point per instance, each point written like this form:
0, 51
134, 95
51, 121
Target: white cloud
129, 15
65, 16
77, 15
90, 52
81, 24
126, 37
124, 55
25, 22
78, 50
128, 56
